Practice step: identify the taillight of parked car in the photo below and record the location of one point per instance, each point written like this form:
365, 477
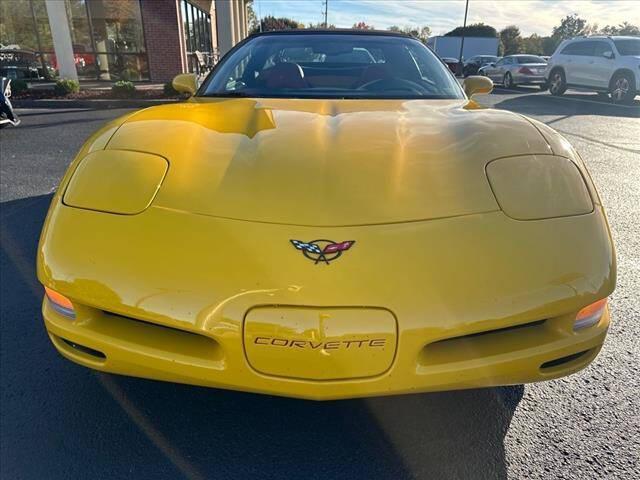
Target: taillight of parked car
525, 71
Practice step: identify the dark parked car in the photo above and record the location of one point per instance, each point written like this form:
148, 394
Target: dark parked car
472, 65
452, 63
18, 64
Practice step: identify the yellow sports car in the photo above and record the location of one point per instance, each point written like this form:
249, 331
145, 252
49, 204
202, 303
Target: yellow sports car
330, 215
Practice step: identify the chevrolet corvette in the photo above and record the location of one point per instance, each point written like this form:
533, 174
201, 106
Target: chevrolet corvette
329, 215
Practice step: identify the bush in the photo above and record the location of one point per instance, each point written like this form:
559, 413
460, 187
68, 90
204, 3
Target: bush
123, 88
18, 86
169, 91
65, 87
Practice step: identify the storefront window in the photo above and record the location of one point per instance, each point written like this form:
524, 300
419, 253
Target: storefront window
23, 38
79, 26
197, 36
118, 39
106, 35
17, 25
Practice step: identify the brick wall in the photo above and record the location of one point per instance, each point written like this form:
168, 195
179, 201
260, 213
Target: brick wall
162, 34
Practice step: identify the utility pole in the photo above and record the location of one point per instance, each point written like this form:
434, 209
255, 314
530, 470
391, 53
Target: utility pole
464, 28
326, 11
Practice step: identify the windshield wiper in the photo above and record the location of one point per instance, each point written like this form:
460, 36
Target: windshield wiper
230, 94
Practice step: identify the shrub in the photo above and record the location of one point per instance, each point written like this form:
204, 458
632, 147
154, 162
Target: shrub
123, 88
65, 87
19, 86
169, 91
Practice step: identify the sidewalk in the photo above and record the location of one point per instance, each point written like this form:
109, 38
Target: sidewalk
97, 86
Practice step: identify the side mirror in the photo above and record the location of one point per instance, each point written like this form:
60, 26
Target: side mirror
609, 54
185, 83
492, 64
476, 84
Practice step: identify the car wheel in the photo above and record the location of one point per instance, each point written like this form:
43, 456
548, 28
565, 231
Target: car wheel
622, 89
508, 81
557, 83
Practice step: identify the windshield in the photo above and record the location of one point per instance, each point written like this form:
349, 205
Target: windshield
628, 47
530, 59
485, 60
332, 66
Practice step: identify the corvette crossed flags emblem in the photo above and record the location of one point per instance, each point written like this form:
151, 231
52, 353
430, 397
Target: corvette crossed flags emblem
322, 250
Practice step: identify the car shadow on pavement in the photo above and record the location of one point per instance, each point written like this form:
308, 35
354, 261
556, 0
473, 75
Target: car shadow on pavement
60, 420
530, 103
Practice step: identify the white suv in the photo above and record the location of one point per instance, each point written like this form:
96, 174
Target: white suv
607, 65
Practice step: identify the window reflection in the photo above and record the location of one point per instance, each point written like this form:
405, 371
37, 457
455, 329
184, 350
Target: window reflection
106, 35
118, 39
197, 36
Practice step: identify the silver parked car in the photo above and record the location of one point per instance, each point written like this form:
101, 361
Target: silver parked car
514, 70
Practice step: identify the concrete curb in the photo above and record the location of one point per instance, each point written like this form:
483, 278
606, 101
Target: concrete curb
95, 104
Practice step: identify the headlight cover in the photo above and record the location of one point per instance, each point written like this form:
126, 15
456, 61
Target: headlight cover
116, 181
535, 187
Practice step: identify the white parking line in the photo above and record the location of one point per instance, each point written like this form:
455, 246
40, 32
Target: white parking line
548, 95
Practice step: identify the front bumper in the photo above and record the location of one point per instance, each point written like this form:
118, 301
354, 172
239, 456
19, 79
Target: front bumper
480, 300
540, 351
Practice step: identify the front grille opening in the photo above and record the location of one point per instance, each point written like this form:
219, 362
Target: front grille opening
161, 339
85, 350
156, 326
563, 360
483, 344
492, 332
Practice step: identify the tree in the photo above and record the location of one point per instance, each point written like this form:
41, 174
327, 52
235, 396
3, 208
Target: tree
510, 40
421, 33
549, 45
473, 30
570, 26
252, 18
320, 26
533, 44
363, 26
272, 23
624, 28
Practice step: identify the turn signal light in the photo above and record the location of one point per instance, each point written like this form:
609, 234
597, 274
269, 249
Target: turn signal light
590, 315
60, 303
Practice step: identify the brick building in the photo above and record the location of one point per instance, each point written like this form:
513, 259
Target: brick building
138, 40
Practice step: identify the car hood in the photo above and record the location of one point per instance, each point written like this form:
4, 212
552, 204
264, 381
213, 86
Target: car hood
327, 162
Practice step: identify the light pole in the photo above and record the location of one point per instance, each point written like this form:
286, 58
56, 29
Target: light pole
464, 28
326, 11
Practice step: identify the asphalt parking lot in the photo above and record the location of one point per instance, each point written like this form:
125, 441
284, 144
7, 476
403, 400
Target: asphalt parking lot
60, 420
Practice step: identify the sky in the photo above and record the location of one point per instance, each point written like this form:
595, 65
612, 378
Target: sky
532, 16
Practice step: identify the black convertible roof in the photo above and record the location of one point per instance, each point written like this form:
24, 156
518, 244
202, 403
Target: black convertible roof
329, 31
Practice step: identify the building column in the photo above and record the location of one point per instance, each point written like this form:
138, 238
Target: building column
225, 25
243, 20
236, 18
61, 36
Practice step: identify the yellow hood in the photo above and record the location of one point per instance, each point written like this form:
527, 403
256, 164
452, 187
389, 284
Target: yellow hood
327, 162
